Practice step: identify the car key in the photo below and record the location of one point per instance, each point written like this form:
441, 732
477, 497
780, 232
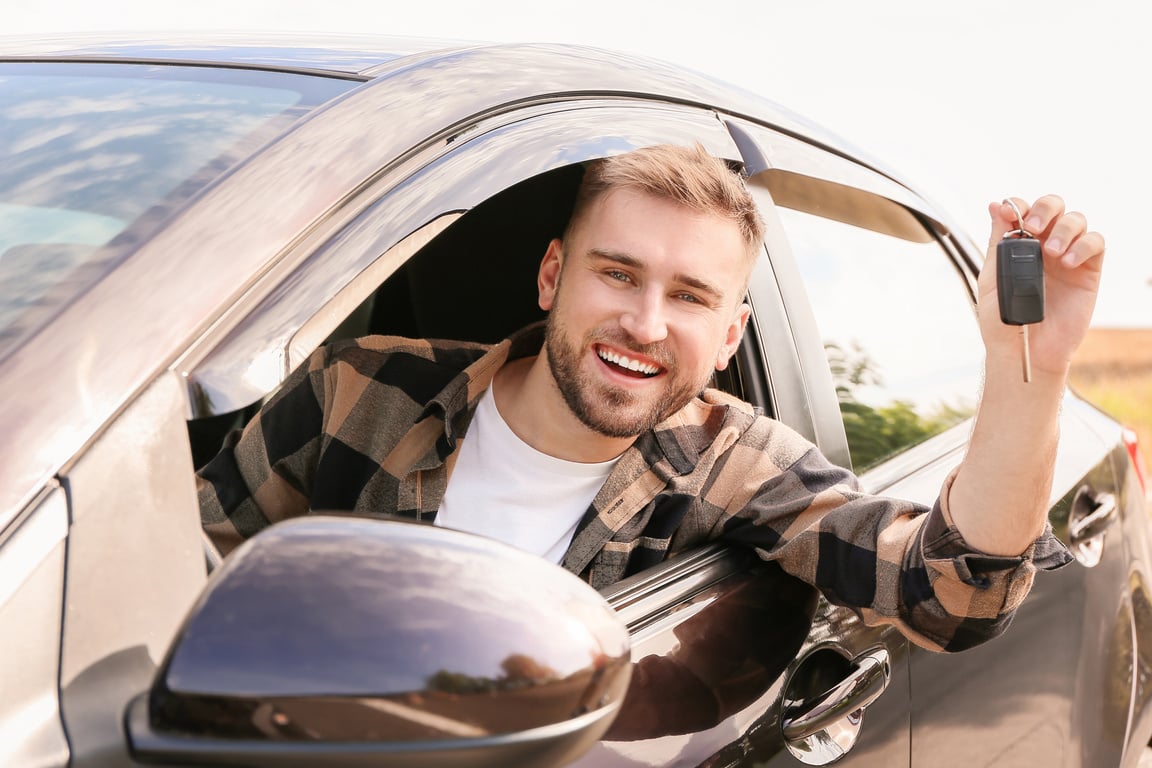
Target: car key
1020, 282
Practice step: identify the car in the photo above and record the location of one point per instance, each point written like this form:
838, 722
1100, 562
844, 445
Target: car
185, 220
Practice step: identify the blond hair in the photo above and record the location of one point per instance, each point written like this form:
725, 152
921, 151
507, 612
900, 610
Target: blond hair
688, 176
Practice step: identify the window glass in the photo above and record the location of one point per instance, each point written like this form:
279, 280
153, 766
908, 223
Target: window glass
96, 154
897, 322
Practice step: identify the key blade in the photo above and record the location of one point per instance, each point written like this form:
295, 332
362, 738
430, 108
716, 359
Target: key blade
1027, 355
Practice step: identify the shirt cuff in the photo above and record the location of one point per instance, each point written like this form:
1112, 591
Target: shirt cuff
942, 541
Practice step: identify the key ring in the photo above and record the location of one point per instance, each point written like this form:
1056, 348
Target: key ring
1019, 231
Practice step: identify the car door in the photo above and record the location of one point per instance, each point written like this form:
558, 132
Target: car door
31, 593
891, 288
135, 564
451, 250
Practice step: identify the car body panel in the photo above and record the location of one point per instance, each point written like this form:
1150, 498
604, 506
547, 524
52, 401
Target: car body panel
31, 593
149, 515
719, 647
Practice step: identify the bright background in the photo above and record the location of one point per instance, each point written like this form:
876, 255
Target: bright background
971, 101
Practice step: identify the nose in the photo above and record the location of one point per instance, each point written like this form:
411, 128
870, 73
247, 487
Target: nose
645, 320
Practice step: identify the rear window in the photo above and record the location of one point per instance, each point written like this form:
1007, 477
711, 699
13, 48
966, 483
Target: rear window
93, 157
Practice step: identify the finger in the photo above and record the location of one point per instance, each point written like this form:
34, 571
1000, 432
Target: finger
1063, 232
1004, 217
1041, 215
1088, 247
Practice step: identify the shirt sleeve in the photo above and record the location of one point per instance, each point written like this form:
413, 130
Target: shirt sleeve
264, 472
977, 592
891, 561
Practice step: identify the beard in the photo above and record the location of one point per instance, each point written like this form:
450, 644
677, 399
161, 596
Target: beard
605, 409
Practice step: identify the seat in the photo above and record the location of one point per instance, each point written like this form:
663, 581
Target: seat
476, 281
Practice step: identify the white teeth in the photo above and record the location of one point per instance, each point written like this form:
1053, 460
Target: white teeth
626, 362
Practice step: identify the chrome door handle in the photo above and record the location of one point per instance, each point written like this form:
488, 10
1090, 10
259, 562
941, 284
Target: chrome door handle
861, 687
1092, 514
1099, 515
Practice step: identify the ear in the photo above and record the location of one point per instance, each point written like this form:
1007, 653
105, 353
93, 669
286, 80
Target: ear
732, 337
548, 278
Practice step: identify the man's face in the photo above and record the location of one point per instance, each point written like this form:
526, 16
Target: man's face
645, 302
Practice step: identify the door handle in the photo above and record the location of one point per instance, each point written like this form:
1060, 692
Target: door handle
1092, 514
845, 700
822, 729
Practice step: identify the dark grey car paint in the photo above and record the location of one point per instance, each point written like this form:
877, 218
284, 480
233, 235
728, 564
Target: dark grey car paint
412, 135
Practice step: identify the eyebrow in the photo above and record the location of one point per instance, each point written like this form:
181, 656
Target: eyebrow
628, 260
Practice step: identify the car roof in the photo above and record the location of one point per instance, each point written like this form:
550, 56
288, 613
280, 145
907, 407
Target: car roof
365, 57
331, 54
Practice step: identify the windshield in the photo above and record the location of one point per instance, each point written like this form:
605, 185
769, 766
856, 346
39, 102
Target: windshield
94, 157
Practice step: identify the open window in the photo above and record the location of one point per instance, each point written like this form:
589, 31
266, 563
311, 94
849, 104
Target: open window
474, 280
449, 251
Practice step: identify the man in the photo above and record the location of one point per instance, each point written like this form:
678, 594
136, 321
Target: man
600, 448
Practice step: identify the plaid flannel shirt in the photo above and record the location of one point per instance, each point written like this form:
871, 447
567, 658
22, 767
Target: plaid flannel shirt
373, 427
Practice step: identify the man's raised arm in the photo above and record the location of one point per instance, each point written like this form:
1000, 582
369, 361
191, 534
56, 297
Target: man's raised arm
999, 500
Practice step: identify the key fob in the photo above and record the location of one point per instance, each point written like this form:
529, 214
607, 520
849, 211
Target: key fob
1020, 280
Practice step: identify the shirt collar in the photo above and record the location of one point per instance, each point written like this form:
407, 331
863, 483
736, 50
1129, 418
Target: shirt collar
457, 402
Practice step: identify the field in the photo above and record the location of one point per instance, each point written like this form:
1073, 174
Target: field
1113, 369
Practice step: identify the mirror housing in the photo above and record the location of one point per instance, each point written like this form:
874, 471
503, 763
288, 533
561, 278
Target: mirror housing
345, 641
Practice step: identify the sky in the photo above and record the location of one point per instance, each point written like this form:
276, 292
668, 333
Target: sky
971, 101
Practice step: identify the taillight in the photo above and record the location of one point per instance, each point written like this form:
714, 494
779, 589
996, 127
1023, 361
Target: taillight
1132, 443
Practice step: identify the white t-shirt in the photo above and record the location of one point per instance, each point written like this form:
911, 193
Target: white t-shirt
505, 489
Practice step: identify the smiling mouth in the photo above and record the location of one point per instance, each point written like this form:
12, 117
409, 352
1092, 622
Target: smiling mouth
627, 365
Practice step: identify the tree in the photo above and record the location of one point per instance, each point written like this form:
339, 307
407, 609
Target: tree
875, 433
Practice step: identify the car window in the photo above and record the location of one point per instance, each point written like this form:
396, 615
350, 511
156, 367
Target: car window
462, 229
93, 155
895, 315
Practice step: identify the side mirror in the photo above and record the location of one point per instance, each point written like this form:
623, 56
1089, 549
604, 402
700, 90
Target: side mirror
340, 641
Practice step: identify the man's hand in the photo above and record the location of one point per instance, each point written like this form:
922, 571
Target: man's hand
1072, 261
999, 500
